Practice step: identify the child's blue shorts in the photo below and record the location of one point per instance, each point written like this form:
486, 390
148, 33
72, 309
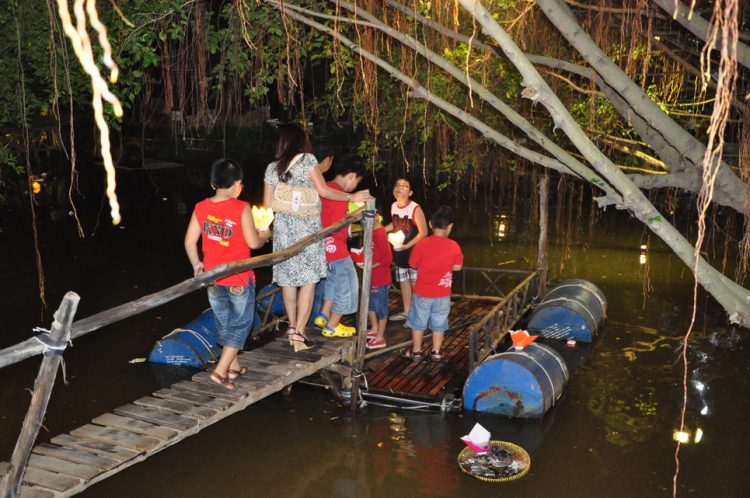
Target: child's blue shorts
379, 301
341, 286
234, 312
429, 312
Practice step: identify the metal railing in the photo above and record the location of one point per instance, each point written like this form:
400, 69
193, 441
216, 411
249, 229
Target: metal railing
486, 335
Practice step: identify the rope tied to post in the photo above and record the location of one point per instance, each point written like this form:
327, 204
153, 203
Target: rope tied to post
368, 213
51, 347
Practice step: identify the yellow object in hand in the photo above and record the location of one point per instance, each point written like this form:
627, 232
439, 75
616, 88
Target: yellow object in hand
263, 217
353, 206
396, 238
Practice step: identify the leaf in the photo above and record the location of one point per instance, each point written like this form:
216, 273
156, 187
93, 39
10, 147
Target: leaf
655, 218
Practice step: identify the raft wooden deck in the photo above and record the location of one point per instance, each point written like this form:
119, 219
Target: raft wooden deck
114, 441
427, 380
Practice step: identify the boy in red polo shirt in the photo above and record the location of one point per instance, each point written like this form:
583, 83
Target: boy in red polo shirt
436, 258
342, 283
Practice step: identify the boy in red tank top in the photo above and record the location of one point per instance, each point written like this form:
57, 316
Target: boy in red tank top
226, 229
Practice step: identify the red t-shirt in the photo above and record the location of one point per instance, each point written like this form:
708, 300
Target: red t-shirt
381, 253
221, 235
434, 257
331, 212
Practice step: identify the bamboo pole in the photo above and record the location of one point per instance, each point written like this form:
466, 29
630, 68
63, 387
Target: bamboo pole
31, 347
364, 298
541, 262
45, 381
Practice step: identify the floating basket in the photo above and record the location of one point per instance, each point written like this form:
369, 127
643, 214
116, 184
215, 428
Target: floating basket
517, 453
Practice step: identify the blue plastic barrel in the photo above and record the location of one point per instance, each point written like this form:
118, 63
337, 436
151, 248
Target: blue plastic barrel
277, 305
194, 345
522, 383
574, 309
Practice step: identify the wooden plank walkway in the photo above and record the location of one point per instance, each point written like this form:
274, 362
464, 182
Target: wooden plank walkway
114, 441
425, 379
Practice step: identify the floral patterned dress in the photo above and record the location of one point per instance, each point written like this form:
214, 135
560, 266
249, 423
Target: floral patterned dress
309, 266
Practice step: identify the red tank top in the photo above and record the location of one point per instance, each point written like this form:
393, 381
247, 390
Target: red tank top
223, 242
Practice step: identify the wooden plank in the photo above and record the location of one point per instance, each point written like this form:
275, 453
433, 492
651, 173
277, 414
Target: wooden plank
195, 399
178, 407
50, 480
319, 349
158, 417
277, 347
97, 447
78, 470
268, 367
308, 357
297, 363
246, 382
76, 456
116, 437
137, 426
28, 491
212, 390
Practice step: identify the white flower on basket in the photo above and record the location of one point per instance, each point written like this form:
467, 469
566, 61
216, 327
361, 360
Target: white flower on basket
396, 239
263, 217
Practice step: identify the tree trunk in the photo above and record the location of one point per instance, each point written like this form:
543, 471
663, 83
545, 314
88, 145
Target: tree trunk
733, 301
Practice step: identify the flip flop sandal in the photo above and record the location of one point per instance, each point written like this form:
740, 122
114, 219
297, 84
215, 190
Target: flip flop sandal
436, 355
224, 382
410, 354
236, 373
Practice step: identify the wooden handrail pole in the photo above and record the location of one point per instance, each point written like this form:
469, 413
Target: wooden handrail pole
31, 347
541, 262
45, 381
364, 298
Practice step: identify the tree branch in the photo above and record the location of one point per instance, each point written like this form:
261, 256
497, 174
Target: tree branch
700, 27
734, 301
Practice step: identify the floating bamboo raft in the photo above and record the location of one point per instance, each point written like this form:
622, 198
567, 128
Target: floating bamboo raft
114, 441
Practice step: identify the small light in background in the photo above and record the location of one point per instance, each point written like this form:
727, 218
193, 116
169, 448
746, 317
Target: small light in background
698, 436
681, 437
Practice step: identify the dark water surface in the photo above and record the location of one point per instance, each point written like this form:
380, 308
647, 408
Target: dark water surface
610, 435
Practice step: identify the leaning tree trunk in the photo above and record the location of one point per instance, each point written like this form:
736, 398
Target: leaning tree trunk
730, 297
728, 186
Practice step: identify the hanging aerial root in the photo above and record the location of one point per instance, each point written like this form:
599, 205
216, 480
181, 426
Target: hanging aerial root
82, 46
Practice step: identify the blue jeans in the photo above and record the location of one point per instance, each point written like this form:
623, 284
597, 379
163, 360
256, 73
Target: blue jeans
429, 312
379, 301
341, 286
234, 312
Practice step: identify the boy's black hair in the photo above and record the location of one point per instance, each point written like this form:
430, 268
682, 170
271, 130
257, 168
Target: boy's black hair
441, 218
378, 207
225, 172
322, 151
351, 164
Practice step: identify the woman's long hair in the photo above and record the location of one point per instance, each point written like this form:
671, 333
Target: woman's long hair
293, 140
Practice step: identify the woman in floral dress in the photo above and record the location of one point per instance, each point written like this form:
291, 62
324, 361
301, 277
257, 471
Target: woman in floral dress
298, 275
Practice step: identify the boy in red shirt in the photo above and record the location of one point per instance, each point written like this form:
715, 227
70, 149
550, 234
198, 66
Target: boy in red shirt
436, 258
342, 283
226, 229
379, 284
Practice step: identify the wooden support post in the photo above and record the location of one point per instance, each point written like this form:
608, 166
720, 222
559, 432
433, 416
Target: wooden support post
541, 262
364, 298
45, 381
